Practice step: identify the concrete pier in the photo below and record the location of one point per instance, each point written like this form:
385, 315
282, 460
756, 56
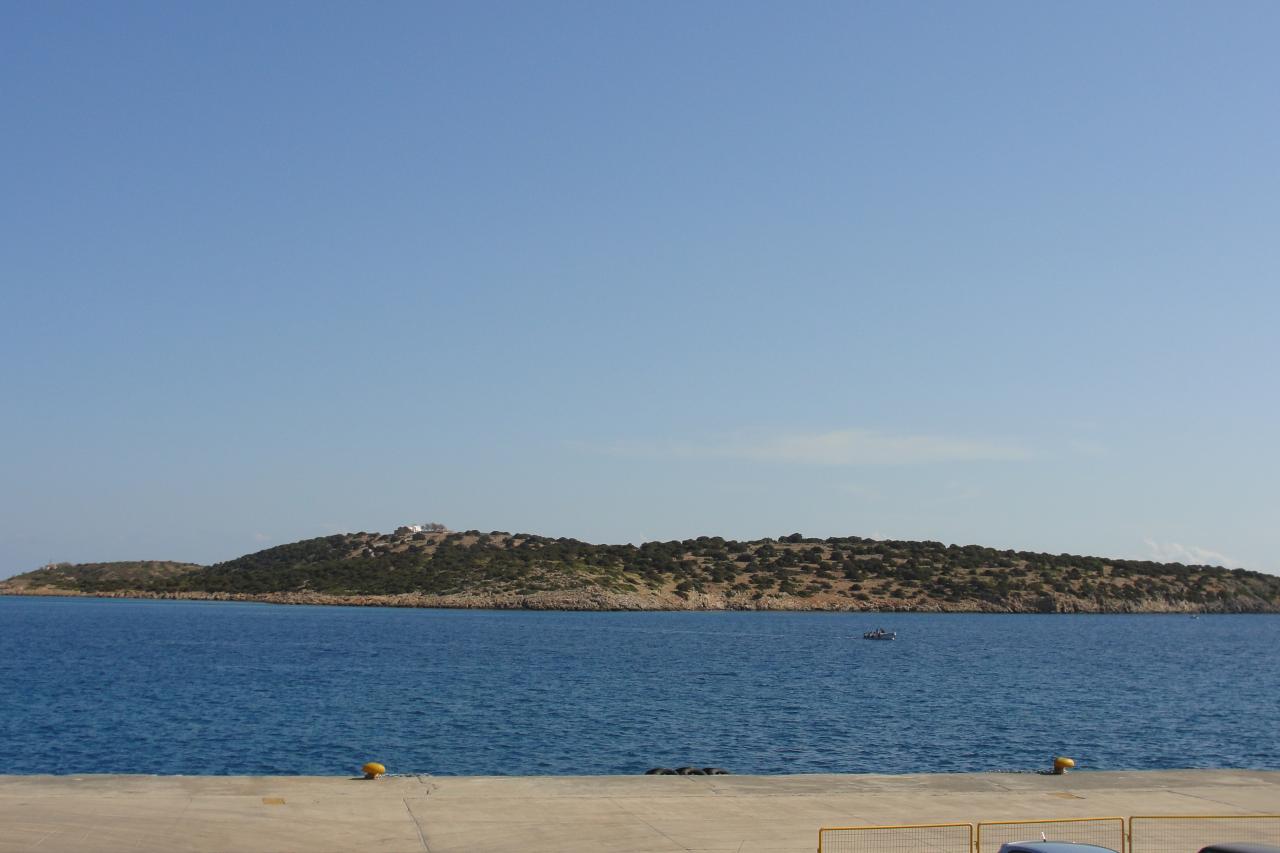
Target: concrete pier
635, 814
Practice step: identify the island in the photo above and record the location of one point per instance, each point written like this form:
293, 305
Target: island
429, 566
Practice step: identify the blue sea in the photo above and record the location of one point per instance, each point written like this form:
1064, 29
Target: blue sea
169, 687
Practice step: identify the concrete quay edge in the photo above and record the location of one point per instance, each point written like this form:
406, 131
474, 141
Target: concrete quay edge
568, 814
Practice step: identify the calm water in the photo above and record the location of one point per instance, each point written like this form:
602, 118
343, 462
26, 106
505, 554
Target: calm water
193, 687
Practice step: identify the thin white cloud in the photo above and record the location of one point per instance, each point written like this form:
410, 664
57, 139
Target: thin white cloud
1193, 555
261, 537
837, 447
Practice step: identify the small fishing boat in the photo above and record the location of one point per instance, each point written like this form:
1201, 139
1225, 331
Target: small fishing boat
880, 634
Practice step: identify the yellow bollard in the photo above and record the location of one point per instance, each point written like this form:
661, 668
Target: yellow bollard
373, 770
1061, 765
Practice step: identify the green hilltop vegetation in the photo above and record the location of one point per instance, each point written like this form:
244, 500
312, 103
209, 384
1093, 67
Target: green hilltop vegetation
103, 577
444, 568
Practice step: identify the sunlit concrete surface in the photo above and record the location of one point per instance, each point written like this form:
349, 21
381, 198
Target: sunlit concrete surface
444, 814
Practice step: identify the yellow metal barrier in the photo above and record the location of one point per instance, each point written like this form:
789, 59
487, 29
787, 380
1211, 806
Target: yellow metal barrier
1145, 834
911, 838
1102, 831
1188, 833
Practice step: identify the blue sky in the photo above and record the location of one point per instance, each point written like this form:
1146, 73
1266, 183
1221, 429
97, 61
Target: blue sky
996, 273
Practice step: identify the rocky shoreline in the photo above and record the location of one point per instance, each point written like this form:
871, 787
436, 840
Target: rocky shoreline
605, 600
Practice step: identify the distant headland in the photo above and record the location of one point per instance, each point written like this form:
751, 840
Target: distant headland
431, 566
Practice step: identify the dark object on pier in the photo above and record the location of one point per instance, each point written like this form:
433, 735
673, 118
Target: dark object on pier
715, 771
660, 771
690, 771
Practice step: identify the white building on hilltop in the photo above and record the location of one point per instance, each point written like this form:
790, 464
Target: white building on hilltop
429, 527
